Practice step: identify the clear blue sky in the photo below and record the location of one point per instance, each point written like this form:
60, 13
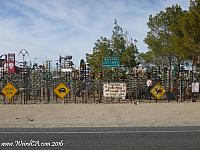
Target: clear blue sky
49, 28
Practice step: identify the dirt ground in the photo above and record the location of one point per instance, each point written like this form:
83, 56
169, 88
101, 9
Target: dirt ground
99, 115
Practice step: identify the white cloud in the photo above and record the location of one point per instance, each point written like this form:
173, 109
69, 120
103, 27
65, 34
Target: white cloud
49, 28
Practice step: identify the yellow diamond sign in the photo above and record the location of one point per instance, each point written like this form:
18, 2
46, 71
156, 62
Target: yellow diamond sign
158, 91
9, 90
61, 90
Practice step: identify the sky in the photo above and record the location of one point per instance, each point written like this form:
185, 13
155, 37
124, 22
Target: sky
49, 28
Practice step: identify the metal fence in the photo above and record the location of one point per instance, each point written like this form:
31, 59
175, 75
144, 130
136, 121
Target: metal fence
36, 84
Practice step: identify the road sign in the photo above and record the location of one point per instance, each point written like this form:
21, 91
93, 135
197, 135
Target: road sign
110, 62
61, 90
158, 91
149, 83
9, 90
114, 90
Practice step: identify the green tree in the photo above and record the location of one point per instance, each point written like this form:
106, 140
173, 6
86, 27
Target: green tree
165, 36
190, 26
101, 49
149, 57
117, 46
129, 55
118, 39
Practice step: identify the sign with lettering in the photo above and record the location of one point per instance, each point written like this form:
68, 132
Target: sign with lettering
9, 90
114, 90
110, 62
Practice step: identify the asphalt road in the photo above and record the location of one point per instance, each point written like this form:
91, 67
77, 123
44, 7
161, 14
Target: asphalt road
134, 138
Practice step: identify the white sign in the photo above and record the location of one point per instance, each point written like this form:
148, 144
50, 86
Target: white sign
195, 87
11, 65
114, 90
66, 69
149, 83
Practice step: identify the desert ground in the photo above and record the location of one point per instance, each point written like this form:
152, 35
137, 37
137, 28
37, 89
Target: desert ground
99, 115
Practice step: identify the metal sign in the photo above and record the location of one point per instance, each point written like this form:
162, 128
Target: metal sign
66, 70
61, 90
11, 63
9, 90
149, 83
66, 63
187, 64
114, 90
158, 91
110, 62
195, 87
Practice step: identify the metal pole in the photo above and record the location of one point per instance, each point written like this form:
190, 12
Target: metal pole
23, 52
181, 89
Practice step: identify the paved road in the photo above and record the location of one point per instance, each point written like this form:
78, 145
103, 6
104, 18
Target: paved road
149, 138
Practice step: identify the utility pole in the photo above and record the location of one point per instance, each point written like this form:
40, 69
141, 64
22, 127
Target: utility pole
24, 53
